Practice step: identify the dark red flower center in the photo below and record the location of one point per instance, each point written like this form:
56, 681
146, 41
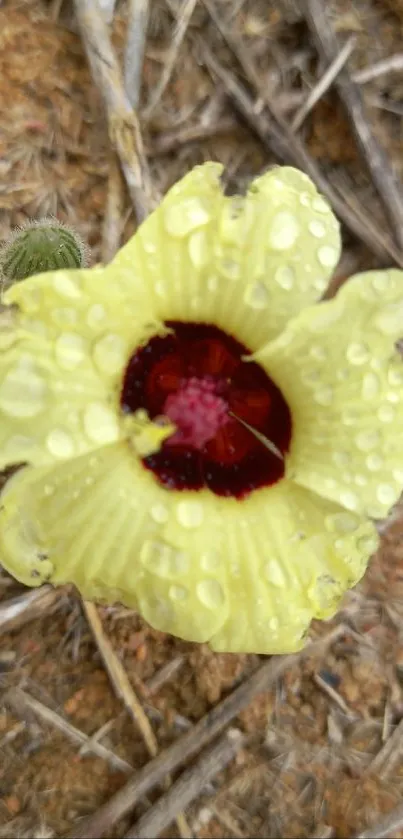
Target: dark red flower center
197, 376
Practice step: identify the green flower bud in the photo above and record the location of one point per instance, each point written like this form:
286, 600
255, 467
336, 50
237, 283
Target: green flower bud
45, 245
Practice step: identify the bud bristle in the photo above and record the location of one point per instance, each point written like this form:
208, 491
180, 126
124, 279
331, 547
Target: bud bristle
40, 246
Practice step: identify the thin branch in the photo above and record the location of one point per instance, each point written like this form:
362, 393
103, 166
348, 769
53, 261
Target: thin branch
28, 606
163, 675
125, 692
188, 787
112, 223
134, 49
388, 826
202, 733
21, 703
124, 129
171, 140
392, 64
385, 180
185, 12
324, 83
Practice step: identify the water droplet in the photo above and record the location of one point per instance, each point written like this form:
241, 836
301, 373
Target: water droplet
284, 231
159, 513
368, 544
349, 500
110, 354
212, 283
22, 392
48, 490
395, 376
96, 315
158, 558
357, 353
374, 462
342, 523
198, 249
386, 413
320, 205
70, 350
320, 283
327, 256
398, 475
324, 396
341, 458
305, 199
178, 593
210, 594
317, 229
390, 320
367, 440
181, 217
160, 288
66, 286
256, 296
380, 280
273, 624
190, 513
350, 416
60, 444
210, 561
149, 246
318, 352
386, 494
325, 315
360, 480
274, 573
370, 386
229, 268
284, 275
100, 423
65, 316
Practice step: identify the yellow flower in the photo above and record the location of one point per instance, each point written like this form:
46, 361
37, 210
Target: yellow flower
202, 443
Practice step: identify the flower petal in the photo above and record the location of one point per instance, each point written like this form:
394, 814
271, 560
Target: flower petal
342, 376
248, 576
63, 347
247, 264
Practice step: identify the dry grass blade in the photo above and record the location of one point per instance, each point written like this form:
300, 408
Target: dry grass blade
163, 675
134, 49
277, 135
393, 64
21, 703
324, 83
388, 826
183, 20
385, 180
289, 149
112, 224
202, 733
175, 138
188, 787
124, 129
390, 753
26, 607
125, 692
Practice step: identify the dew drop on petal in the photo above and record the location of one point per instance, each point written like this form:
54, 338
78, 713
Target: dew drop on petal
386, 413
284, 231
320, 205
178, 593
370, 386
324, 396
349, 500
229, 268
398, 475
60, 444
374, 462
100, 423
190, 513
342, 523
256, 296
367, 440
274, 573
110, 353
70, 350
66, 286
284, 275
198, 249
357, 353
210, 561
22, 393
159, 513
327, 256
210, 594
96, 315
395, 376
380, 280
317, 229
181, 217
386, 494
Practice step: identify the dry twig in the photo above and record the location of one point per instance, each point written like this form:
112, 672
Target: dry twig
124, 129
125, 692
26, 607
134, 50
182, 25
112, 223
163, 675
175, 138
384, 179
392, 64
202, 733
21, 703
324, 83
188, 786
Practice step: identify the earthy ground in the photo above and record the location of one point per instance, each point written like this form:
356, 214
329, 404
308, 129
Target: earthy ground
322, 754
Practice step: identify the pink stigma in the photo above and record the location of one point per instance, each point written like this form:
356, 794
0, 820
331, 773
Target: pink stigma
197, 412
